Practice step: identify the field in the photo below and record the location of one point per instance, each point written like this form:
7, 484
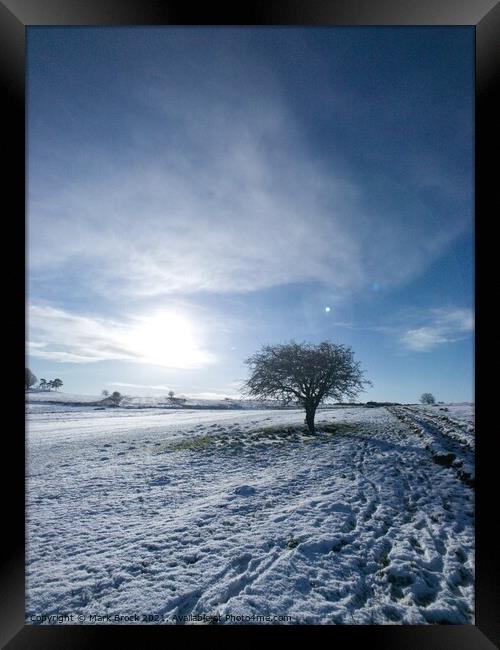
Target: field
231, 516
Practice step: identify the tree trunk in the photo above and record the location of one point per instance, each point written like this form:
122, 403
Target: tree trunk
310, 413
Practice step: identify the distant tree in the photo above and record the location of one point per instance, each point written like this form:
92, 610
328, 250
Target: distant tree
50, 384
171, 394
57, 383
304, 373
43, 384
29, 379
427, 398
116, 397
105, 393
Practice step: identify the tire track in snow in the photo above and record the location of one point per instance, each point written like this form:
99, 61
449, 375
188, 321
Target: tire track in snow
432, 542
445, 450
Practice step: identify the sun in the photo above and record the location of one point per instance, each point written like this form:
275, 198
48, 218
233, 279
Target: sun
167, 338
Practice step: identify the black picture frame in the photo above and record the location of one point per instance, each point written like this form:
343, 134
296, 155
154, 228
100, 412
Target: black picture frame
15, 16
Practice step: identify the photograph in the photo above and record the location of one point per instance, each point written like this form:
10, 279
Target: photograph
250, 308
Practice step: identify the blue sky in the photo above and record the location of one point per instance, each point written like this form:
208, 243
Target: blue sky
194, 193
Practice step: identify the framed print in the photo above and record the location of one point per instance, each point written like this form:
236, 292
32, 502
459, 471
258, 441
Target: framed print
249, 245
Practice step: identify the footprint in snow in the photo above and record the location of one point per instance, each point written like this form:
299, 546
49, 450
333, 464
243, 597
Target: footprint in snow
160, 481
245, 490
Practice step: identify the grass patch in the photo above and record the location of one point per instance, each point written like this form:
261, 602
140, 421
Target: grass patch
384, 560
235, 443
194, 443
292, 542
277, 430
285, 431
338, 427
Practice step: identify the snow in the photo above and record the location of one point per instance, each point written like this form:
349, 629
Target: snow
59, 396
57, 401
185, 516
449, 441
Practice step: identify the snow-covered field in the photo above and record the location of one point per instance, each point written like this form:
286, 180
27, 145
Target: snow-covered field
58, 402
167, 516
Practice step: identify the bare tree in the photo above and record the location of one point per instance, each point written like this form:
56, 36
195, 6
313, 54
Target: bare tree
427, 398
305, 373
171, 394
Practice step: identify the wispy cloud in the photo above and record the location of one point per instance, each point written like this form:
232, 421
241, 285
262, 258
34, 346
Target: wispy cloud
154, 387
162, 388
237, 202
444, 326
167, 339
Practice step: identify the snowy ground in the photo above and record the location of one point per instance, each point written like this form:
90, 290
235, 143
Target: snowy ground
54, 401
167, 515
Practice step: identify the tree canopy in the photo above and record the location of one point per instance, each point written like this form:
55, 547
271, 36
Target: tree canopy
305, 373
29, 378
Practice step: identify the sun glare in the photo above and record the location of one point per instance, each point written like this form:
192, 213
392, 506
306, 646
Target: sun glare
167, 339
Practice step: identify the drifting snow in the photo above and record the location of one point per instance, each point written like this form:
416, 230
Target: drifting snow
178, 515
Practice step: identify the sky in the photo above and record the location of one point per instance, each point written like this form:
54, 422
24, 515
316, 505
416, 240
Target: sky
195, 193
